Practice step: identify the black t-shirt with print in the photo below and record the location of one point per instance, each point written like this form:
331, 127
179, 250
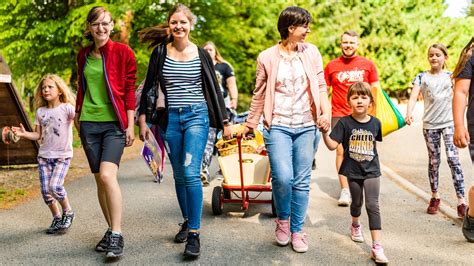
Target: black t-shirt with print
358, 139
223, 72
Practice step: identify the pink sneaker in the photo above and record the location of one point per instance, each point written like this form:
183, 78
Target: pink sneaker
299, 242
356, 233
378, 255
282, 232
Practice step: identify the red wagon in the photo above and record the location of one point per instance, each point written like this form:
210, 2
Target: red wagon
245, 170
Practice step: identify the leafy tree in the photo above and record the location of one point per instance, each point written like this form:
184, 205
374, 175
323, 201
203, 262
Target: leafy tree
44, 36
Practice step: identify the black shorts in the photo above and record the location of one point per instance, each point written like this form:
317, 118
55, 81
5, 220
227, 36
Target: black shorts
102, 142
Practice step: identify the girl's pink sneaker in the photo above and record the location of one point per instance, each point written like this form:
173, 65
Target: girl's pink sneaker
282, 232
299, 242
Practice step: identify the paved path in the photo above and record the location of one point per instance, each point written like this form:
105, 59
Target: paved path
404, 151
410, 236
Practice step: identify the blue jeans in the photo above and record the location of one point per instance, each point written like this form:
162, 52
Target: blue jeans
291, 153
186, 137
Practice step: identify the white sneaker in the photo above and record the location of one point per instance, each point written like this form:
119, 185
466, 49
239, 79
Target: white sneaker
344, 198
356, 233
378, 255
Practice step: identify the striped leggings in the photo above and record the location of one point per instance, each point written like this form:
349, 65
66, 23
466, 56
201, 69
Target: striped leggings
433, 143
51, 174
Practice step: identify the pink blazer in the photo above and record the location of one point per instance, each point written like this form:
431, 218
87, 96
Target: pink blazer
267, 69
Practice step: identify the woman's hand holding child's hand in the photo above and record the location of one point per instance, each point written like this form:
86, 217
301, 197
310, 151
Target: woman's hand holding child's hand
323, 123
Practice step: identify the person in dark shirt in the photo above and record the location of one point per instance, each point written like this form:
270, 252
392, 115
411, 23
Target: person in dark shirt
463, 86
358, 134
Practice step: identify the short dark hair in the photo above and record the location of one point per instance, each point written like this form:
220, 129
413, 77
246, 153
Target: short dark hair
292, 16
360, 88
351, 33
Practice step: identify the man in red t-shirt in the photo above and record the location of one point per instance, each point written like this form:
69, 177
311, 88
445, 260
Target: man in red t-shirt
340, 74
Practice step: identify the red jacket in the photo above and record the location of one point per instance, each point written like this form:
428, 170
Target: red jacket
119, 74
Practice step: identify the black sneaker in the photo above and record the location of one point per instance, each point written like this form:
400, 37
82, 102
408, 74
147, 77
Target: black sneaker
66, 221
115, 248
182, 235
54, 227
104, 242
193, 245
468, 227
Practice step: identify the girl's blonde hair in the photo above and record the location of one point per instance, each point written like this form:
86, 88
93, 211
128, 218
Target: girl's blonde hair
442, 48
360, 88
463, 57
158, 34
66, 95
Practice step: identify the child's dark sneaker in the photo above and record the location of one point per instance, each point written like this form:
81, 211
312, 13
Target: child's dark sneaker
468, 227
462, 210
104, 242
115, 248
66, 221
54, 227
183, 233
434, 206
193, 245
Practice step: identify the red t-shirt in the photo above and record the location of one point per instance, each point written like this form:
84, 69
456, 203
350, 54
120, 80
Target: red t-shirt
341, 73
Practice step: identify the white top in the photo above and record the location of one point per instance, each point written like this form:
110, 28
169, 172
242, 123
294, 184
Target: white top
56, 131
437, 90
292, 101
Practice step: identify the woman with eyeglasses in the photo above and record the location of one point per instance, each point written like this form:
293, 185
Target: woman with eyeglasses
105, 112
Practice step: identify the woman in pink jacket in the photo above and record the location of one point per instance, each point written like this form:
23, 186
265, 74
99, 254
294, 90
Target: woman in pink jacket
290, 92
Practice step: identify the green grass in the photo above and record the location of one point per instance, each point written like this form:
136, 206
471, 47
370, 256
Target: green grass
11, 195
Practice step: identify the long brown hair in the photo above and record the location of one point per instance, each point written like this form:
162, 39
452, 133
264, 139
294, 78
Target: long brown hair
156, 35
66, 94
463, 57
219, 58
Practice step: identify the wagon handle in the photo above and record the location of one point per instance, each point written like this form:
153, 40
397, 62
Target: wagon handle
239, 144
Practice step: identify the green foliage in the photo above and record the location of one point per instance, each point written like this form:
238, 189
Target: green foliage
44, 36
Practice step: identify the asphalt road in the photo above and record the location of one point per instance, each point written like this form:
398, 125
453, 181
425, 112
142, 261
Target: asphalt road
404, 151
151, 215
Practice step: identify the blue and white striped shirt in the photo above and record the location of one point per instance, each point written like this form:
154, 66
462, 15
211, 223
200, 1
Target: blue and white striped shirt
183, 82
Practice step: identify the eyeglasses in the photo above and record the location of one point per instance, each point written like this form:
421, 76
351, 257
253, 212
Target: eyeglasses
97, 24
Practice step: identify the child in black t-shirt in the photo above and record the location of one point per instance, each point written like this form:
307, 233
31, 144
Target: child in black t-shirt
358, 134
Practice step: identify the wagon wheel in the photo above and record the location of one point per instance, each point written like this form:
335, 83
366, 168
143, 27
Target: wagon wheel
226, 193
217, 203
274, 212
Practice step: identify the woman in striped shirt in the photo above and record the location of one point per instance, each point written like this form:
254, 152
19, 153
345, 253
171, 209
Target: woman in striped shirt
193, 102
